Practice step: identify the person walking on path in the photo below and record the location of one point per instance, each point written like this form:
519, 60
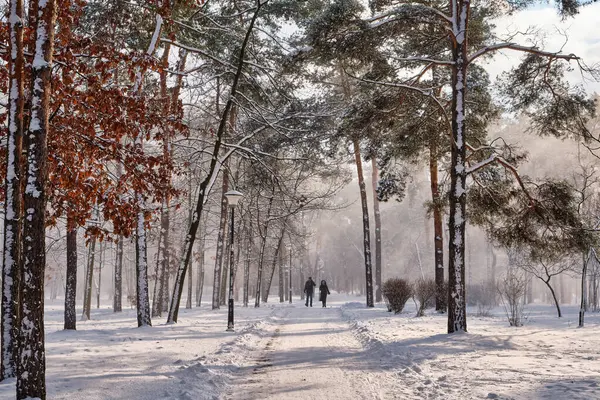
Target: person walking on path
309, 289
324, 291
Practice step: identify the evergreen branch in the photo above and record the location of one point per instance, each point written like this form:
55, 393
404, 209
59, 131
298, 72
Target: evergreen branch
524, 49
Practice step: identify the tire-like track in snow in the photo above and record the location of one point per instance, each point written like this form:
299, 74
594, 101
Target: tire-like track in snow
310, 353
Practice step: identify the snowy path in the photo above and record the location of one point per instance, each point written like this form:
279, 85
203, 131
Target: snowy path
310, 353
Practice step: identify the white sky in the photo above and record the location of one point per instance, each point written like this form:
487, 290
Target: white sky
583, 38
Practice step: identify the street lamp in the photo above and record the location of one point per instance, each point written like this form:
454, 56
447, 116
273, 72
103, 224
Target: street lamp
233, 196
290, 274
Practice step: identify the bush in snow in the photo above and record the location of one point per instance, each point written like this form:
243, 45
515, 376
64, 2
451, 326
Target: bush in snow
396, 293
424, 294
512, 288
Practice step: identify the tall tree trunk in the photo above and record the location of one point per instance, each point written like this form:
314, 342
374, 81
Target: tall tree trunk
141, 273
277, 254
188, 303
247, 268
378, 262
100, 265
366, 230
156, 296
200, 275
71, 280
457, 311
220, 244
12, 261
554, 297
225, 270
89, 279
438, 234
207, 183
583, 306
141, 245
263, 245
31, 377
282, 296
117, 306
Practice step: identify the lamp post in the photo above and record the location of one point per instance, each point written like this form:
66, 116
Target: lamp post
290, 276
233, 196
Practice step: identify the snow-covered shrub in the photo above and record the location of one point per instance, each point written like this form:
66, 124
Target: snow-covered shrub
424, 294
396, 293
512, 288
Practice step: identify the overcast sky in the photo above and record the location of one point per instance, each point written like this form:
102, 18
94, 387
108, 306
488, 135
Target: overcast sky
583, 38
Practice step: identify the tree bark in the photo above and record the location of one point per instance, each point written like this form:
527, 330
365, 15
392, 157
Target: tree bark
267, 287
216, 304
366, 230
71, 280
556, 302
31, 378
378, 261
89, 279
11, 260
188, 303
457, 312
282, 291
117, 306
438, 233
100, 265
583, 306
263, 245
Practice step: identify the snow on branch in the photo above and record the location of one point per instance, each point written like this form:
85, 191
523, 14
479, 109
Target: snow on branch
412, 11
525, 49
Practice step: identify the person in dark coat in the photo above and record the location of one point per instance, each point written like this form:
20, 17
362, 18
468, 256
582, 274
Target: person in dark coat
309, 289
324, 291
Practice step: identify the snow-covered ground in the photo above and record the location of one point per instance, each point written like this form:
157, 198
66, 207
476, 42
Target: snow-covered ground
346, 351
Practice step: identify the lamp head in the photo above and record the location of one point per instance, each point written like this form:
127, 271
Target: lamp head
233, 196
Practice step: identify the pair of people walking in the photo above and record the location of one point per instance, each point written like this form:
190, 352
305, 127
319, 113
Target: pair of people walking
309, 288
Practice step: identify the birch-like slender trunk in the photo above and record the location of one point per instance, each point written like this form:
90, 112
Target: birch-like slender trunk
378, 255
225, 270
188, 303
216, 303
281, 270
438, 233
263, 245
276, 254
141, 243
246, 289
100, 265
71, 279
366, 230
118, 296
11, 260
457, 311
31, 365
583, 306
89, 279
